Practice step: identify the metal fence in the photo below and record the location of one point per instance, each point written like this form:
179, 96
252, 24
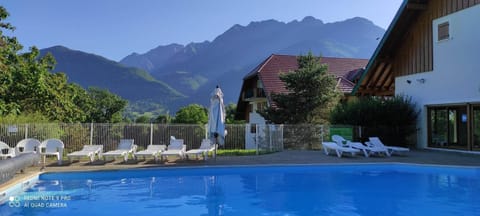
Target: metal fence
303, 136
76, 135
268, 138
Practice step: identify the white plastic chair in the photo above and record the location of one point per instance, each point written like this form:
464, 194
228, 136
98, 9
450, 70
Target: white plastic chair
6, 151
27, 146
52, 147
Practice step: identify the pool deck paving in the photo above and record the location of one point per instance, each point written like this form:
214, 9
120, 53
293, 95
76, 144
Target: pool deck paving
284, 157
287, 157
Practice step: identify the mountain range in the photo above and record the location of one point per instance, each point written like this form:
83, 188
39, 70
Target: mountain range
133, 84
176, 75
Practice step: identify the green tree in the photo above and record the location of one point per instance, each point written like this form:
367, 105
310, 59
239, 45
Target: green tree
191, 114
28, 86
36, 89
163, 119
230, 110
312, 94
143, 119
9, 47
107, 107
24, 118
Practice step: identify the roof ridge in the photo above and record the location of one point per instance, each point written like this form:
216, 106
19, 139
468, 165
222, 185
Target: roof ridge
257, 68
273, 54
342, 58
265, 63
345, 79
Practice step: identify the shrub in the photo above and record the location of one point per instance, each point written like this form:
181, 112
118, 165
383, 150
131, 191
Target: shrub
392, 119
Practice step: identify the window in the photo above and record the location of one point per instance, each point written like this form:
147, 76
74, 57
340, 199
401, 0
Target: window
447, 128
253, 128
443, 31
476, 128
261, 106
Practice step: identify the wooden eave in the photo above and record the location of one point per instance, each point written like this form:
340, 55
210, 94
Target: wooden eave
379, 79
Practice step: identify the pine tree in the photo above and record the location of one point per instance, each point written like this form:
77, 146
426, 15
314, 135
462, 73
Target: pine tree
312, 94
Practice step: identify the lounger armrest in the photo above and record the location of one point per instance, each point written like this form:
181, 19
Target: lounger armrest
100, 153
134, 148
12, 152
369, 144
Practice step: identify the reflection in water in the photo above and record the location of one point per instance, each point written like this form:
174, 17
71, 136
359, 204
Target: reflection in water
152, 183
288, 191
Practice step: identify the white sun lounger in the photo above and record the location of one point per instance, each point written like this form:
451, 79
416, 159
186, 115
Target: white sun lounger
151, 151
176, 148
6, 151
367, 150
376, 142
52, 147
203, 151
27, 146
338, 149
125, 147
87, 151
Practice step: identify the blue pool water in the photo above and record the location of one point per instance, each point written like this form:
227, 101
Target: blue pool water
386, 189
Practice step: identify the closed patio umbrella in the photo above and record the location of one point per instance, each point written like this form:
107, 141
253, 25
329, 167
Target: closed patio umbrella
216, 118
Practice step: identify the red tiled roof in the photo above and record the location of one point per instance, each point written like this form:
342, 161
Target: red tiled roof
271, 68
344, 85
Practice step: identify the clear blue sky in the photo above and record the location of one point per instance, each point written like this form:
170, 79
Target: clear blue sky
116, 28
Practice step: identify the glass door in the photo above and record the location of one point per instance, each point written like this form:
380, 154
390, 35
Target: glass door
438, 127
476, 128
448, 127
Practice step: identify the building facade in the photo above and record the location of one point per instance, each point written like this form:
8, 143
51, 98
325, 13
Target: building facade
263, 80
430, 53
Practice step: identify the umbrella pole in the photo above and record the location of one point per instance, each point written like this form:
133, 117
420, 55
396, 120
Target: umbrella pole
216, 144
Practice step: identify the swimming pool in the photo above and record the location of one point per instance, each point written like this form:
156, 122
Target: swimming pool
372, 189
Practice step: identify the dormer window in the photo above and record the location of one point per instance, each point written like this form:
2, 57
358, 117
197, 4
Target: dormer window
443, 31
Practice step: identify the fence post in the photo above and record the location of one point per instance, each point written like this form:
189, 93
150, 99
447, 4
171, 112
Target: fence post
270, 137
360, 132
256, 138
281, 137
91, 133
26, 131
321, 134
206, 132
151, 133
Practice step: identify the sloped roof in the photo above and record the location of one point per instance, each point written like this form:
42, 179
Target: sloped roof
345, 85
269, 71
379, 76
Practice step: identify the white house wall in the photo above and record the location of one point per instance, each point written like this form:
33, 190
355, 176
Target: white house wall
250, 138
456, 69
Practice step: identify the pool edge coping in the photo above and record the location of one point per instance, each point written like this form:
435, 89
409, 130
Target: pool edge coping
18, 185
263, 165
